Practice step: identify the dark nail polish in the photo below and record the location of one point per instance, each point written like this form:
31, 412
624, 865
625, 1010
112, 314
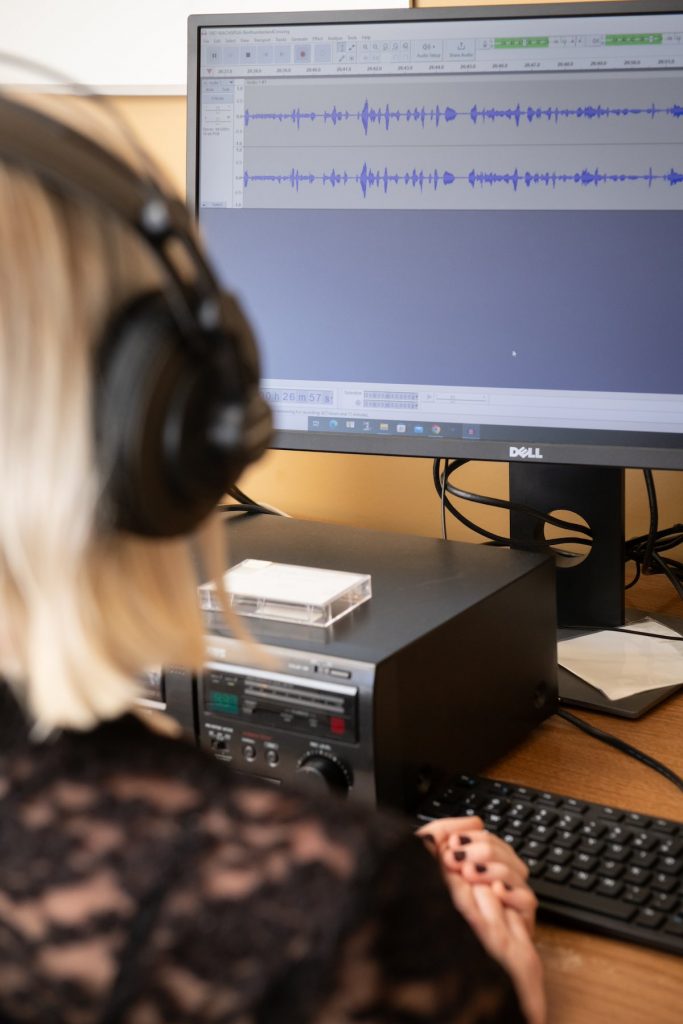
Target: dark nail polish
459, 855
481, 868
464, 840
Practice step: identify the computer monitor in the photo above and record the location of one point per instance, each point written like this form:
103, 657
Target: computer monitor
459, 233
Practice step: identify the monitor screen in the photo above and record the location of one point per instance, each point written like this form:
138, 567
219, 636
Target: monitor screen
457, 232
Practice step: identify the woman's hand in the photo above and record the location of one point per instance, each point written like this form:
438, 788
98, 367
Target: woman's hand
464, 847
503, 933
502, 911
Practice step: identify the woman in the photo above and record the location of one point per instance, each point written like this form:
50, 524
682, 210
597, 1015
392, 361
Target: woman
140, 881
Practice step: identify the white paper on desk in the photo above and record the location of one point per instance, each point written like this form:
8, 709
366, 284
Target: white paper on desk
621, 664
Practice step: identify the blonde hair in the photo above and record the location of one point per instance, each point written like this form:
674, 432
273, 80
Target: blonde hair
82, 611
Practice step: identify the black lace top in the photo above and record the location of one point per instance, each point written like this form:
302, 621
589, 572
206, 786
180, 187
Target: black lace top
143, 883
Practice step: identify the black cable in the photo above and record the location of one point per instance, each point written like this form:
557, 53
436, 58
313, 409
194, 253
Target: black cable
443, 487
624, 629
444, 531
249, 509
647, 552
669, 572
626, 748
654, 520
507, 505
238, 494
493, 538
243, 503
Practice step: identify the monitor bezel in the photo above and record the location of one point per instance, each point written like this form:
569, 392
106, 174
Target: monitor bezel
590, 447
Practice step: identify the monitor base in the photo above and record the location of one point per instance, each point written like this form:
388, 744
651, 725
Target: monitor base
576, 692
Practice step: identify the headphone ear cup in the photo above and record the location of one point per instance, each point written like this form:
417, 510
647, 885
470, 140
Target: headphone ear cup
163, 465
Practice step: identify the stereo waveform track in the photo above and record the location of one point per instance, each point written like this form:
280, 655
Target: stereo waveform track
369, 116
368, 180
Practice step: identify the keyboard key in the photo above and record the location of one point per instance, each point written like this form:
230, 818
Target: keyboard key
589, 844
558, 872
649, 918
662, 825
493, 821
558, 855
637, 875
611, 868
557, 894
639, 820
544, 816
566, 839
643, 858
643, 841
517, 827
664, 901
575, 806
520, 810
594, 829
609, 887
583, 880
585, 862
569, 822
670, 848
663, 883
670, 865
636, 894
543, 833
533, 849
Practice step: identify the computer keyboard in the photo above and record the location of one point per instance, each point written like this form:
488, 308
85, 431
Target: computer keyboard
596, 867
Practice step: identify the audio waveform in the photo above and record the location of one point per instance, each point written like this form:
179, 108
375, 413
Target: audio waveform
370, 116
368, 179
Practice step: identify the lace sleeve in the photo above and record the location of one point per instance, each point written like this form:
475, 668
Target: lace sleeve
412, 959
300, 916
142, 883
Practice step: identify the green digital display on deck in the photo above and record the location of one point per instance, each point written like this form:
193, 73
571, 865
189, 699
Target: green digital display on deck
225, 703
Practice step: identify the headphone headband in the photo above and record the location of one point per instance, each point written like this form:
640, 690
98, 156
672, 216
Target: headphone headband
178, 412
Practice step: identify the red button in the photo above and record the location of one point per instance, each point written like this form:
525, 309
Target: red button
337, 725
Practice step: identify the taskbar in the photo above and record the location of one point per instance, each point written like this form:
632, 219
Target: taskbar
384, 427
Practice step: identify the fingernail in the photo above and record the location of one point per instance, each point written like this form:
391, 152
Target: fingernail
481, 868
464, 840
459, 855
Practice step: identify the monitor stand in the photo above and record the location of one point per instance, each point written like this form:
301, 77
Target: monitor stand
590, 593
574, 692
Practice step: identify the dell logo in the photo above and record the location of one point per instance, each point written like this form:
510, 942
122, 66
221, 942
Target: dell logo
525, 453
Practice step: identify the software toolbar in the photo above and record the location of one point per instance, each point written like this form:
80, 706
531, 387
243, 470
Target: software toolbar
382, 49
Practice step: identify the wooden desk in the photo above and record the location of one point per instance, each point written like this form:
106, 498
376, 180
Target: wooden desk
590, 979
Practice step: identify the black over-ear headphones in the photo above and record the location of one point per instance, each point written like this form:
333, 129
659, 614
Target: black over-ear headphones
177, 407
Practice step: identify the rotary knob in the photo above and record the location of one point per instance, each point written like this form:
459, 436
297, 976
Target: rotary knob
324, 773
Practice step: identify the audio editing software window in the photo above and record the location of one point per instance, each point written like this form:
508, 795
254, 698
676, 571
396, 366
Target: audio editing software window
448, 226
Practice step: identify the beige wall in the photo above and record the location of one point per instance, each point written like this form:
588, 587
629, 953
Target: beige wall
383, 493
